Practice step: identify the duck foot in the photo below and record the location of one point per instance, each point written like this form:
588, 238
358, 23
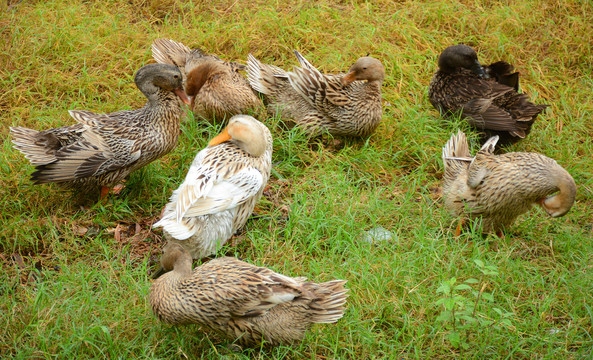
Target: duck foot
459, 228
116, 190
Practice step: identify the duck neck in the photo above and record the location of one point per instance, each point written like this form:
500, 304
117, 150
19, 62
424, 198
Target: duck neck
163, 105
182, 268
562, 201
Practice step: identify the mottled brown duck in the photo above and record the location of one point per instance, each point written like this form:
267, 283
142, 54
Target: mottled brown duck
344, 105
487, 97
241, 302
102, 149
498, 188
217, 88
221, 188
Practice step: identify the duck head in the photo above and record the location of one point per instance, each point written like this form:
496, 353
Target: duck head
175, 257
461, 56
560, 203
365, 68
246, 132
153, 78
199, 75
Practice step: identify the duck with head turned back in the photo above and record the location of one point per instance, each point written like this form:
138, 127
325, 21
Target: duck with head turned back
498, 188
102, 149
487, 97
217, 88
343, 105
242, 302
222, 186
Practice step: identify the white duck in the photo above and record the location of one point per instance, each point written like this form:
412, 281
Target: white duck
222, 186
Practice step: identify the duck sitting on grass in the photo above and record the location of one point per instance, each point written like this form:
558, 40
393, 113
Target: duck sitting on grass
243, 303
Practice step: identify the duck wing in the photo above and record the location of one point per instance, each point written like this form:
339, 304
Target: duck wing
246, 290
320, 90
102, 147
215, 182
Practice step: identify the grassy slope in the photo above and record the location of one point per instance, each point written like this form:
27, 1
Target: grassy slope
77, 290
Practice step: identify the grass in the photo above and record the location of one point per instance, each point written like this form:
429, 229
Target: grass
74, 280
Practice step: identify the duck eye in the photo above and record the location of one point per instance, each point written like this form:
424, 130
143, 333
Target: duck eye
176, 76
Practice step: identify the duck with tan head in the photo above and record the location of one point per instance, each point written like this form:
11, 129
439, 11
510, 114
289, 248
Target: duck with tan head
344, 105
244, 303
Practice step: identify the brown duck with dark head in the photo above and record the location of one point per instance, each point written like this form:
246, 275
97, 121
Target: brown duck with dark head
102, 149
487, 97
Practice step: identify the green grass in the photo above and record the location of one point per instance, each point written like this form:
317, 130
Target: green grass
69, 288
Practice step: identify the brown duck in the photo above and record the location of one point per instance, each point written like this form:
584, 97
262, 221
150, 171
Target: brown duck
345, 105
242, 302
498, 188
102, 149
487, 97
217, 88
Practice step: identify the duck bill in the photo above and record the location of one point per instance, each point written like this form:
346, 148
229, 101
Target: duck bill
182, 95
479, 70
220, 138
348, 78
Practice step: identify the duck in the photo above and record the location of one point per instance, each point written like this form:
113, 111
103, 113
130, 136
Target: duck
343, 104
217, 88
499, 188
224, 182
487, 97
243, 303
102, 149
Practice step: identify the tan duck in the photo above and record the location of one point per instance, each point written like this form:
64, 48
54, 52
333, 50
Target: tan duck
217, 88
499, 188
102, 149
242, 302
344, 105
487, 97
222, 186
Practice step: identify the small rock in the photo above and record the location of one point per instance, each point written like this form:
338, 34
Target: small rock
377, 235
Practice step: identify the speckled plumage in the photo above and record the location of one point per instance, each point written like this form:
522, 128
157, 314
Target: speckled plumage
241, 301
487, 97
219, 91
499, 188
102, 149
334, 103
222, 186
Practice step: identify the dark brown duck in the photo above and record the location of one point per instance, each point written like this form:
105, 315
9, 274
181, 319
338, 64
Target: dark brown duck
487, 97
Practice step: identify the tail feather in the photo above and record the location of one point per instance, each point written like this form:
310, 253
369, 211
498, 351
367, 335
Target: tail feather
331, 298
166, 51
456, 156
26, 141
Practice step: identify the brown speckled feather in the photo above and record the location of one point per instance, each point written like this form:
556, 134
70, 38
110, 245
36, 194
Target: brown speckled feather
499, 188
243, 302
219, 91
319, 102
102, 149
